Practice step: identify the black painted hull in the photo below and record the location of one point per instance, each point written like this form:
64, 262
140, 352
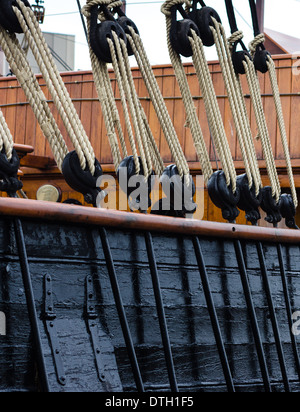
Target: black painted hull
71, 252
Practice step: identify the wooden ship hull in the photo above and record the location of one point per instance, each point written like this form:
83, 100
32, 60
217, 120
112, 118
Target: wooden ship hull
210, 286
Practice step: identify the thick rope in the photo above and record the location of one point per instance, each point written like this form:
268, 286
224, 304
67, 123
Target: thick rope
261, 122
109, 108
192, 118
136, 124
237, 105
213, 111
125, 84
254, 44
56, 85
158, 102
34, 94
6, 139
282, 128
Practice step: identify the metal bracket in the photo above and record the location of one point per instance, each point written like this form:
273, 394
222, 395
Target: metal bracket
92, 327
50, 317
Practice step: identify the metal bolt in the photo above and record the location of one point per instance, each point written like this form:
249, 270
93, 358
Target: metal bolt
62, 379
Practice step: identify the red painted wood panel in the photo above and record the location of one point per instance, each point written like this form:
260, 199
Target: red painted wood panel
81, 88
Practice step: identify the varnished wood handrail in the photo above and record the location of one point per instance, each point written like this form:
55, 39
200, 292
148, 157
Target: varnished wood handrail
122, 220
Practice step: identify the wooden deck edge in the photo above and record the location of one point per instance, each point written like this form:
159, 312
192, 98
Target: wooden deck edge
58, 212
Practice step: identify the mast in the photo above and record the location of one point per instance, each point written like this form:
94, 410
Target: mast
124, 6
260, 6
82, 20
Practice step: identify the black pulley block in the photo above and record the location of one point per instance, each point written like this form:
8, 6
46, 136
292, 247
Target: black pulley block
180, 36
260, 60
8, 19
82, 181
9, 167
238, 59
9, 181
249, 202
179, 195
288, 211
99, 33
223, 197
270, 206
125, 23
203, 20
137, 191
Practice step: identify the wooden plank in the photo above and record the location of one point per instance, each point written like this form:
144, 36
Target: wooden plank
20, 118
285, 86
219, 88
179, 115
137, 221
254, 127
189, 149
153, 120
10, 114
270, 113
168, 91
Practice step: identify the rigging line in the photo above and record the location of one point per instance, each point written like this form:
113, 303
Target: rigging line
243, 18
83, 21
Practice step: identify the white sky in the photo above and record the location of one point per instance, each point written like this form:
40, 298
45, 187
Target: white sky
280, 15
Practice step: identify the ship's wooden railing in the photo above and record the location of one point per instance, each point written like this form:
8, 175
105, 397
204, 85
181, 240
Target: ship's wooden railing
134, 221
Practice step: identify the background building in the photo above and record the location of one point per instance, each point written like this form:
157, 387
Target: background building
62, 47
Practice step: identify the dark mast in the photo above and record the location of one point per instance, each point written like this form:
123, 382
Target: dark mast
260, 5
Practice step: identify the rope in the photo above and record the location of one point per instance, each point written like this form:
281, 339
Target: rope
57, 88
257, 41
6, 139
192, 118
34, 94
257, 45
254, 88
237, 104
158, 102
213, 111
281, 123
139, 134
109, 108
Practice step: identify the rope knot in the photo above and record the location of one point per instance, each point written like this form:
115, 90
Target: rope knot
257, 41
235, 37
86, 10
167, 6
